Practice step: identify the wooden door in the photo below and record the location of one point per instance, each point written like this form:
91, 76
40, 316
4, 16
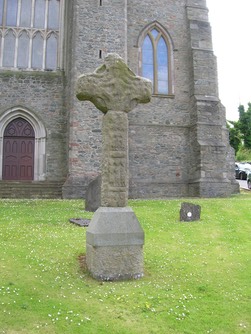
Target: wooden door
18, 151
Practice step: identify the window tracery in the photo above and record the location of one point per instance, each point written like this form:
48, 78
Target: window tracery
156, 59
30, 34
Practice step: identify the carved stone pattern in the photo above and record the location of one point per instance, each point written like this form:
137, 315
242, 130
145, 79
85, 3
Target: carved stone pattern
115, 90
19, 128
114, 188
113, 86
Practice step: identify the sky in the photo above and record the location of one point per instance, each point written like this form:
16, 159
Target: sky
231, 32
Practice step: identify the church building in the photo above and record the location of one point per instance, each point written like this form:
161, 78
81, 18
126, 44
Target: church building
50, 142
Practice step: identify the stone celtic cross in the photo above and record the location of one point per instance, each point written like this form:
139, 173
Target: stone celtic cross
114, 239
115, 90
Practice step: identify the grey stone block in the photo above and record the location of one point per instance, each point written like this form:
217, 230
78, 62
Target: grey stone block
114, 227
93, 195
114, 244
115, 263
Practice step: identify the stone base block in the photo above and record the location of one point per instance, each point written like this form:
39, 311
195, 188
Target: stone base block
114, 245
115, 263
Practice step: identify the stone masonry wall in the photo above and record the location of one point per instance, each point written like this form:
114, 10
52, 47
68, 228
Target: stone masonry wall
159, 131
165, 141
163, 162
98, 30
42, 94
167, 156
177, 143
209, 176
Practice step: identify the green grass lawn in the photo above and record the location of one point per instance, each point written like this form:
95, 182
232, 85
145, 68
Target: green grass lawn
197, 275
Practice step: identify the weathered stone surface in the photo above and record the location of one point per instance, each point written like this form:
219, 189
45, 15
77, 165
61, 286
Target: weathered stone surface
93, 195
113, 86
115, 90
114, 186
114, 239
115, 263
114, 227
189, 212
114, 245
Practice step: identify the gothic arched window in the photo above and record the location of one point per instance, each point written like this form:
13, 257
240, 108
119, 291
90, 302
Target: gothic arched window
30, 31
156, 60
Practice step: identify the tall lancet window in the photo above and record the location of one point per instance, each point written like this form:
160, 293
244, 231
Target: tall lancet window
156, 61
30, 34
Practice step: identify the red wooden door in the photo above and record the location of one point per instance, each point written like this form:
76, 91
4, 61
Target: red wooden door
18, 151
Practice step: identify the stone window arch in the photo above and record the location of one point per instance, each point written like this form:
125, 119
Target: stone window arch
40, 138
41, 25
156, 58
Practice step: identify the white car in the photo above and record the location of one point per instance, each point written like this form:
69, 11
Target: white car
249, 180
242, 169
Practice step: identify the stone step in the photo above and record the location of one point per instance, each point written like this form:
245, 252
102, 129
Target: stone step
31, 189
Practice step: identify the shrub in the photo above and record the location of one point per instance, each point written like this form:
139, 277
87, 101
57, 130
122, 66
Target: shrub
243, 154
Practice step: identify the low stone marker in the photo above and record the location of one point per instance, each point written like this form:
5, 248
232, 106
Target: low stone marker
93, 195
114, 238
82, 222
189, 212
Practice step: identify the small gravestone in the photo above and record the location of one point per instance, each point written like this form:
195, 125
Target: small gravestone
189, 212
93, 195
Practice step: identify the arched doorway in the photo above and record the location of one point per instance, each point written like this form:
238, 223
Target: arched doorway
18, 150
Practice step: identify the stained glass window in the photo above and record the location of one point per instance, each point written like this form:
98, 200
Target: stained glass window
51, 50
53, 14
9, 50
11, 15
147, 59
1, 12
30, 31
162, 66
155, 61
25, 16
39, 15
37, 51
23, 50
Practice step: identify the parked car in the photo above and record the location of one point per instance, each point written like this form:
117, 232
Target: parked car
242, 170
249, 180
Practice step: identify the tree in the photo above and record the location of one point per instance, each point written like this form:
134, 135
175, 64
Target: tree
244, 125
234, 135
240, 131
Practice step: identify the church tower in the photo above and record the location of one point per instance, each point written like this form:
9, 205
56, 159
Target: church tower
211, 166
178, 143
